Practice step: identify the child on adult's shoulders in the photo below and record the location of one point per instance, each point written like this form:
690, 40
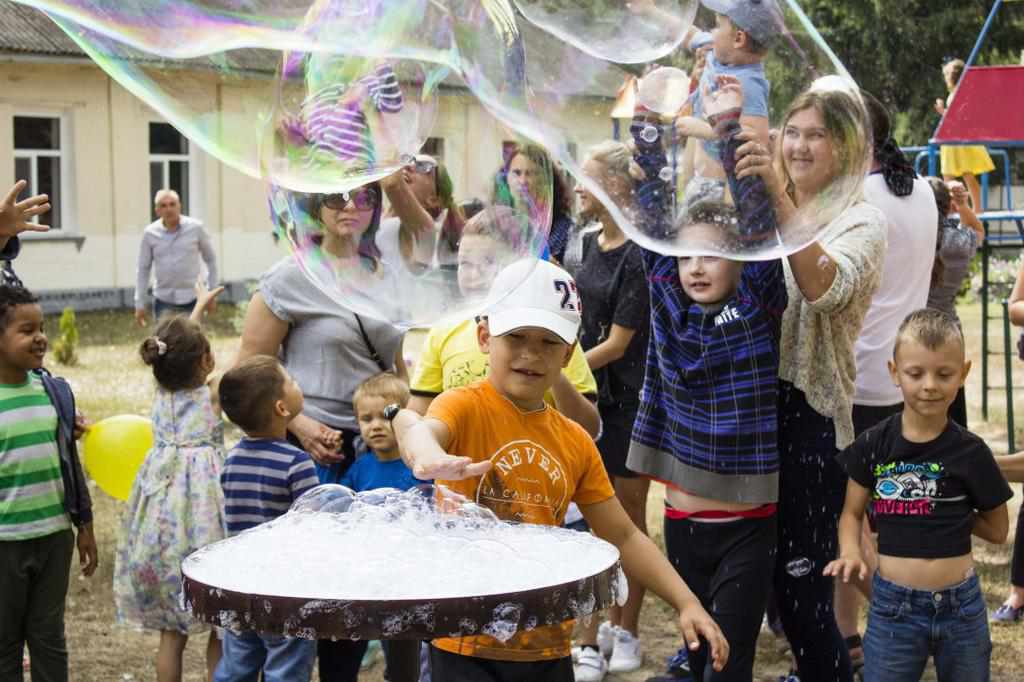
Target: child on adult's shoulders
526, 462
382, 465
931, 484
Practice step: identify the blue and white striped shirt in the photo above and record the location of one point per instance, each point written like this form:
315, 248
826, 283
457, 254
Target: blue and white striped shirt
261, 478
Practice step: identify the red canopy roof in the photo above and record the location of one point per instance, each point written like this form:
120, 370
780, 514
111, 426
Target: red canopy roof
988, 107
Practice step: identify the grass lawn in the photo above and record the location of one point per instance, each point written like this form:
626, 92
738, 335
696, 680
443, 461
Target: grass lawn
111, 379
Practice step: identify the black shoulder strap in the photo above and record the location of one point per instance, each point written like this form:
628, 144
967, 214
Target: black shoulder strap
374, 355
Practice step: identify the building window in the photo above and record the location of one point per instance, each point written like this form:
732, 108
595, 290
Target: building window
168, 163
39, 160
434, 146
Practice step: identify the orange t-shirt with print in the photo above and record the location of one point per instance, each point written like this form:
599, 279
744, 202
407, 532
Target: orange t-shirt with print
542, 462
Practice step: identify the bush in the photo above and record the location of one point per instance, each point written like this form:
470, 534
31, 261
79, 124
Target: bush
65, 348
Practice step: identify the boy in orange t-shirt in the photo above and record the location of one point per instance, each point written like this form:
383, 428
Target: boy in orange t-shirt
526, 462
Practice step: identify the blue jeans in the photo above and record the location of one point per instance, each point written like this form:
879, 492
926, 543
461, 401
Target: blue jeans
161, 308
906, 626
281, 659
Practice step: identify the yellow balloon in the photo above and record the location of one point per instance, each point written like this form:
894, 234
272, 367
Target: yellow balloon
113, 449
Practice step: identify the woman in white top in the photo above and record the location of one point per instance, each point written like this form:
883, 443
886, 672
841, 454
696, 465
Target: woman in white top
830, 283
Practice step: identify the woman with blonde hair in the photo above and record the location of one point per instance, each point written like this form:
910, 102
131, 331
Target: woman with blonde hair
822, 155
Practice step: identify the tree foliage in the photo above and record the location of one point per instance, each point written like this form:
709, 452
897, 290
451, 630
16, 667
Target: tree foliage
895, 49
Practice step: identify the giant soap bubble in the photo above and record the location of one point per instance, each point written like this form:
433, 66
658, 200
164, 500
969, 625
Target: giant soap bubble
330, 101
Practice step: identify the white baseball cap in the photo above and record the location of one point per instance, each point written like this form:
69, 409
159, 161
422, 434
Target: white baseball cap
532, 293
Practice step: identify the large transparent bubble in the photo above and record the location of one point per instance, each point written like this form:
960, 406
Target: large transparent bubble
744, 140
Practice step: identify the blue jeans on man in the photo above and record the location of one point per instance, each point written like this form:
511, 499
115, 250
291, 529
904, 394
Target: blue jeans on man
161, 308
906, 626
282, 659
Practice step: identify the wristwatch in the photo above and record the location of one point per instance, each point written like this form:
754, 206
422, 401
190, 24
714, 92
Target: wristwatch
391, 411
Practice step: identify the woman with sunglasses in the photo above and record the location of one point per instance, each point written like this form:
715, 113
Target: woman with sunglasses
330, 351
424, 224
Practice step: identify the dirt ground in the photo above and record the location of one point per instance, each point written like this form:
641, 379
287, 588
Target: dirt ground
110, 380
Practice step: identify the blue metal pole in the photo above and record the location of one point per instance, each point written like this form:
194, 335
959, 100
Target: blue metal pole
984, 32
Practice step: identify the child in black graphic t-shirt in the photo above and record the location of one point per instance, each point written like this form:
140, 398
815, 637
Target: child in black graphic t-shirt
930, 484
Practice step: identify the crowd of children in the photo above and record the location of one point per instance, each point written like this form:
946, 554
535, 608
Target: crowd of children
728, 381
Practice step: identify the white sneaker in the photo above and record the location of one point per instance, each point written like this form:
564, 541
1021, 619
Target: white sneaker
606, 637
590, 667
626, 656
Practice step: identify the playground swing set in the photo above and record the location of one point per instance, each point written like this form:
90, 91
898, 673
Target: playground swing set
988, 109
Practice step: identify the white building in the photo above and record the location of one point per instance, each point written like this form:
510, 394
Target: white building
100, 153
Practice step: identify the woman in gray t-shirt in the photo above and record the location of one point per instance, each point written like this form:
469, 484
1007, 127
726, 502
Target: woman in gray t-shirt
328, 349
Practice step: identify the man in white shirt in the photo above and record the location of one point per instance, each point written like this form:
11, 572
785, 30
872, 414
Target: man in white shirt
171, 248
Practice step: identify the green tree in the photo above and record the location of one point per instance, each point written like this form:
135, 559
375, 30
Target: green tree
895, 49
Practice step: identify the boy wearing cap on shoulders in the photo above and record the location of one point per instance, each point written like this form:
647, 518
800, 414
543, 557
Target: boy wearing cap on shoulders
738, 44
526, 462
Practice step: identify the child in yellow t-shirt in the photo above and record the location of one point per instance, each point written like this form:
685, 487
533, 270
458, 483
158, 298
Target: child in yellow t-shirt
527, 462
451, 356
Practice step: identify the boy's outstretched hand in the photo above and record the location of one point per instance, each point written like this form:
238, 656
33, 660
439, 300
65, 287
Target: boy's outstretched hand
847, 567
88, 557
448, 467
696, 623
15, 215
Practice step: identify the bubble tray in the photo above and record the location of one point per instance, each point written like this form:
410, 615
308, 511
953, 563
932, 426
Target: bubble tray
399, 570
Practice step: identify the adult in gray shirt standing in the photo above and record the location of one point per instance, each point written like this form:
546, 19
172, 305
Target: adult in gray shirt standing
171, 246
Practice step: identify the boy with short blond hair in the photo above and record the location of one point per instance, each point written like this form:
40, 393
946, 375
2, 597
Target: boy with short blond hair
931, 485
527, 462
381, 466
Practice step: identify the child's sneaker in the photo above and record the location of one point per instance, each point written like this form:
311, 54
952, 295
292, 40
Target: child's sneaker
678, 668
590, 666
606, 637
626, 654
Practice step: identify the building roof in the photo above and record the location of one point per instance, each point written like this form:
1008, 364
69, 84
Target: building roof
27, 30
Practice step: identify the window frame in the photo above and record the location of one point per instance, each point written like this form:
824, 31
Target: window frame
193, 158
68, 217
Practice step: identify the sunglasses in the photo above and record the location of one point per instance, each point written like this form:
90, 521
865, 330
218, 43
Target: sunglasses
364, 199
423, 166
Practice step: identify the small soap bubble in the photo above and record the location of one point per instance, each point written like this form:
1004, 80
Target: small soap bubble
799, 567
650, 134
665, 174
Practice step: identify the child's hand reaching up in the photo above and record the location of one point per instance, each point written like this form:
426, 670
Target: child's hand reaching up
205, 300
727, 95
696, 623
845, 567
15, 215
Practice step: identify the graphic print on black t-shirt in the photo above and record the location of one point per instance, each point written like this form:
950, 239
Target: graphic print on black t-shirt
924, 495
906, 488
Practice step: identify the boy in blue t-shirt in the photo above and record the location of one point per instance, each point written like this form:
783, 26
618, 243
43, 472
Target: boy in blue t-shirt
382, 466
262, 476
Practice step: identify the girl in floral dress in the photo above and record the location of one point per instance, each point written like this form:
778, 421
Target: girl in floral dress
176, 505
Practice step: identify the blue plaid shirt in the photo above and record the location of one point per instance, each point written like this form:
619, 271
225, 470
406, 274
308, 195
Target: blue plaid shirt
708, 408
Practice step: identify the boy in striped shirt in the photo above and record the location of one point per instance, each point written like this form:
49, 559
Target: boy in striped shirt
42, 495
262, 476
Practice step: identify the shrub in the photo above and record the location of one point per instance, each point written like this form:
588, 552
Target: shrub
65, 348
